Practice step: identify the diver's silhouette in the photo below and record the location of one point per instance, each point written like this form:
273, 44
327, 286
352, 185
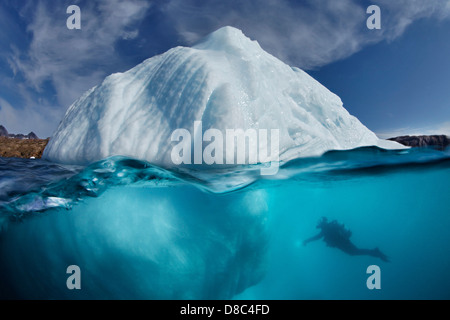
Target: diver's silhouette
337, 236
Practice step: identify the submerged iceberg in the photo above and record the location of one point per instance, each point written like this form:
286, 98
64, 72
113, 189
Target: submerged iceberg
226, 81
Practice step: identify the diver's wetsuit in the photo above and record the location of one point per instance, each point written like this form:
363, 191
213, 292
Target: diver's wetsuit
337, 236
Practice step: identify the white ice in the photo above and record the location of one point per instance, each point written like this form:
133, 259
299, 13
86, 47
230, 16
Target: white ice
227, 81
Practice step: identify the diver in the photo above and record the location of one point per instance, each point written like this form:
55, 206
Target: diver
336, 235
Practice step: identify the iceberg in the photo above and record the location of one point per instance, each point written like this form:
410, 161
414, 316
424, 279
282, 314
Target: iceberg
226, 81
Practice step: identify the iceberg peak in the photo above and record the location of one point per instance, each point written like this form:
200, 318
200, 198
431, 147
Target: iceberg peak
227, 39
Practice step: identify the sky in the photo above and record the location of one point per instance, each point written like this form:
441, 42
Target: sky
396, 79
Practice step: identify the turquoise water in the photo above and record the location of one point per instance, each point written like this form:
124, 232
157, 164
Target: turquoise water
141, 232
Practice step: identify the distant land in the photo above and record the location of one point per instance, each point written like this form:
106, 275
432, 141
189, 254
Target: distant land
438, 141
28, 146
4, 133
20, 145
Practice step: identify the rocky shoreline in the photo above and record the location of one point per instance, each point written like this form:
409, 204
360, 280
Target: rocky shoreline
20, 145
440, 142
22, 148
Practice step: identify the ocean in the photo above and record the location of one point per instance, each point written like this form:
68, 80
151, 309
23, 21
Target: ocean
136, 231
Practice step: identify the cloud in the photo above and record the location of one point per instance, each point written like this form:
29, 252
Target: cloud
402, 13
60, 64
307, 34
71, 59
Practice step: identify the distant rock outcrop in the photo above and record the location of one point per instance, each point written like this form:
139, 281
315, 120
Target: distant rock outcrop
438, 141
32, 135
3, 131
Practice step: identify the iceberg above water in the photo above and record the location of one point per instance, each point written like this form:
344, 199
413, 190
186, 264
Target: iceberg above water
226, 81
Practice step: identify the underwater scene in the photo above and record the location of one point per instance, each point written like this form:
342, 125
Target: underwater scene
137, 231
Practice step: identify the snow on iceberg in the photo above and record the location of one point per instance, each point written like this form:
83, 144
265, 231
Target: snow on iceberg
227, 82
